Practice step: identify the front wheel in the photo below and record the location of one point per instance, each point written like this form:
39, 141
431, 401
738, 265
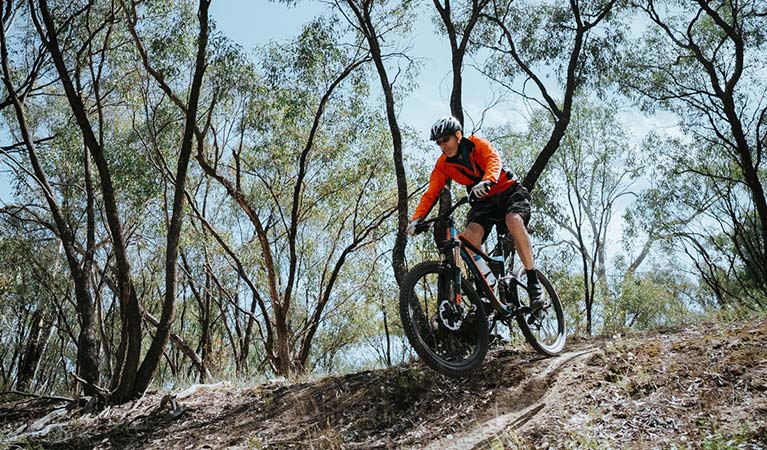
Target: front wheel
450, 339
544, 330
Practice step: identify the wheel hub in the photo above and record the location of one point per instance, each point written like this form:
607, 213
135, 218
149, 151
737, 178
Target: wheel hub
450, 315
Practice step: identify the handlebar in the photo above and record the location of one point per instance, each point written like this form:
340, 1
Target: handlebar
423, 226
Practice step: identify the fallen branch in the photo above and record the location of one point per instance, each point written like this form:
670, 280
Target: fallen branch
191, 390
103, 391
41, 427
28, 394
36, 434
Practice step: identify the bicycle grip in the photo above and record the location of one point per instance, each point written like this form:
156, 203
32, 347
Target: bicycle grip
421, 227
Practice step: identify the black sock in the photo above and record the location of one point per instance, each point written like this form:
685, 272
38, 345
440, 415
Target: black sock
532, 276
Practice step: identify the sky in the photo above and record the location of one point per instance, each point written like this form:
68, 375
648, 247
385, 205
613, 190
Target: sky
277, 22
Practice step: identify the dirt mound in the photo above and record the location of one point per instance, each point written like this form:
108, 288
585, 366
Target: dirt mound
703, 386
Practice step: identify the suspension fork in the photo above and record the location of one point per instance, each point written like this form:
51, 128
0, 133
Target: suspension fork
456, 250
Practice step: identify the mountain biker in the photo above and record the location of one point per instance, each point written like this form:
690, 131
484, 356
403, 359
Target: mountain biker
495, 194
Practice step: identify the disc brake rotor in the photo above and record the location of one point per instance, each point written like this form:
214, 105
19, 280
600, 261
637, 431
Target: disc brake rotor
450, 315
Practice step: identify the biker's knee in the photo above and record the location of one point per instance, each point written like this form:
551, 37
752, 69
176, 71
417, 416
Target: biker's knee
475, 228
474, 231
514, 220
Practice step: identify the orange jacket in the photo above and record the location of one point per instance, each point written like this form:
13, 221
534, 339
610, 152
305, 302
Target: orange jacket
476, 161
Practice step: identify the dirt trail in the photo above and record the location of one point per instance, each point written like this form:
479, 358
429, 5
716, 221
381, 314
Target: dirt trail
536, 395
699, 386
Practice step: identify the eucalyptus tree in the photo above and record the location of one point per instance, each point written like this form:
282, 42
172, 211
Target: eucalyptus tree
62, 226
459, 21
50, 37
145, 372
594, 170
712, 223
12, 11
377, 25
598, 174
32, 289
703, 60
534, 40
296, 166
69, 54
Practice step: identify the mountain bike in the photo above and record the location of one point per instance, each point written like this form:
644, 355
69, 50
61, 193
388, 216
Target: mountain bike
448, 308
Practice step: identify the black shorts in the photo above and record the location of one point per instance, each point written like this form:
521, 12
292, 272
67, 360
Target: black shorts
493, 210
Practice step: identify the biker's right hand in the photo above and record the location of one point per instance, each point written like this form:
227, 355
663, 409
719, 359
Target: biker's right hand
413, 224
480, 190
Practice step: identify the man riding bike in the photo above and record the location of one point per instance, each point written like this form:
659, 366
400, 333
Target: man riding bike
495, 195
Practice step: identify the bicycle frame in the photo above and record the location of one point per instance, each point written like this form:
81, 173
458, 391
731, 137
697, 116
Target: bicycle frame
458, 245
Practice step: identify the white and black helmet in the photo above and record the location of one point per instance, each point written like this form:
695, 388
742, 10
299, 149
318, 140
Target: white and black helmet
445, 126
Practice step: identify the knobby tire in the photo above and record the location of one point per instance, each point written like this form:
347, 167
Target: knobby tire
474, 330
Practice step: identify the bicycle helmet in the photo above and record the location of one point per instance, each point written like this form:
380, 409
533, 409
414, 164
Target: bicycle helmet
445, 126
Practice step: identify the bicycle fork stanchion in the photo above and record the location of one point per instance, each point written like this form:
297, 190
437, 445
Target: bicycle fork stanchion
456, 269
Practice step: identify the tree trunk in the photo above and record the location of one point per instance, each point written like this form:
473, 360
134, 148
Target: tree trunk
87, 343
29, 360
458, 51
152, 359
587, 293
283, 360
128, 300
750, 174
551, 147
205, 335
400, 241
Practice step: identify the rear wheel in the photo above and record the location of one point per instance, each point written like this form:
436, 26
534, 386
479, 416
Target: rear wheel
544, 330
449, 339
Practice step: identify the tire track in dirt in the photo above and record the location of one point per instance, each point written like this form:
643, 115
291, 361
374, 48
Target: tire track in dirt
519, 405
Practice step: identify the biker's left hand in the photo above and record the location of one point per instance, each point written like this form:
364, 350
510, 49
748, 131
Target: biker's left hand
481, 189
411, 228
